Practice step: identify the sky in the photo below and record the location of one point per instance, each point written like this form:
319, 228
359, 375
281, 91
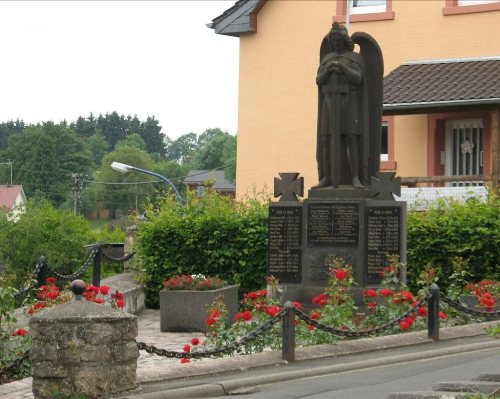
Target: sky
65, 59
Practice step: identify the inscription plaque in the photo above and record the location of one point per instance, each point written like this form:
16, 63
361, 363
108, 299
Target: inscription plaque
383, 237
285, 237
332, 224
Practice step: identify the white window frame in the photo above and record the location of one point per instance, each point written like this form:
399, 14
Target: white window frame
475, 2
366, 8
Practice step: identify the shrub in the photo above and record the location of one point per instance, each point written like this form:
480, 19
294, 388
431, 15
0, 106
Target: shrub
213, 236
43, 230
449, 230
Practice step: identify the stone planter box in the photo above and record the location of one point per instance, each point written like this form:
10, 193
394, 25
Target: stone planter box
187, 310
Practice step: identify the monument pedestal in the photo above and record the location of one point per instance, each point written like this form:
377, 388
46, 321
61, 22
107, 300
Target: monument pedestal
305, 237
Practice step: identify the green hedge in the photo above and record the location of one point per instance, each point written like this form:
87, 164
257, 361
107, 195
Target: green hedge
450, 229
218, 237
214, 236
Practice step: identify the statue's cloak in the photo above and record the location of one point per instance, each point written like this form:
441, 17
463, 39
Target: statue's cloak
370, 112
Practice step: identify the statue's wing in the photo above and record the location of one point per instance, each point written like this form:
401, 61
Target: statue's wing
373, 75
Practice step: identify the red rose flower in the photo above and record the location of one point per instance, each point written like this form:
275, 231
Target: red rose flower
195, 341
120, 303
104, 289
271, 310
51, 280
247, 315
340, 274
252, 295
370, 293
100, 301
422, 311
386, 292
404, 325
407, 296
297, 305
184, 360
315, 315
311, 327
262, 293
371, 305
187, 348
20, 331
442, 315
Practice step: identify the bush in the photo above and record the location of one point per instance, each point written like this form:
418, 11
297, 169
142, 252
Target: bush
448, 230
213, 236
42, 230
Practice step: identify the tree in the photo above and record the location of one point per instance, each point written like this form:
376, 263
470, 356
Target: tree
208, 134
44, 158
183, 149
113, 127
218, 152
85, 127
116, 190
133, 140
151, 134
98, 147
7, 129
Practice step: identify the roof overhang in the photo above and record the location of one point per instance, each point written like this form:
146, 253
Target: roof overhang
418, 87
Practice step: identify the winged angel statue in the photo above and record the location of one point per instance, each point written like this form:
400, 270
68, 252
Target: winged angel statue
349, 109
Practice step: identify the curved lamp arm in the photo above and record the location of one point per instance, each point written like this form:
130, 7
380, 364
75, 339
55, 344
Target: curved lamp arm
124, 168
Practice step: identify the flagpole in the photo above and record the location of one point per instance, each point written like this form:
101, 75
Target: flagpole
348, 14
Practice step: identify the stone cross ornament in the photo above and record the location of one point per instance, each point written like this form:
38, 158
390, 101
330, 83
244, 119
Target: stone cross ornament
384, 185
288, 186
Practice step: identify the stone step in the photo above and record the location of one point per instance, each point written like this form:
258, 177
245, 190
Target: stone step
468, 386
428, 395
487, 377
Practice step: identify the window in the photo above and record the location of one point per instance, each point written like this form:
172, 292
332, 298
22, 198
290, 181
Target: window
384, 145
200, 190
364, 10
387, 161
453, 7
368, 6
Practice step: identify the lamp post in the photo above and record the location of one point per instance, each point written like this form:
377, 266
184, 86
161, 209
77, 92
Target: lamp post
124, 168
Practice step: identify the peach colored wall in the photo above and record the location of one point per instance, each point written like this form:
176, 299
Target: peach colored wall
278, 95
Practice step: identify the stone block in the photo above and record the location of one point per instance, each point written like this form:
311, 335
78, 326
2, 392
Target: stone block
187, 310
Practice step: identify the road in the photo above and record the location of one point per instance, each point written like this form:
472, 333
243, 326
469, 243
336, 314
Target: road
378, 382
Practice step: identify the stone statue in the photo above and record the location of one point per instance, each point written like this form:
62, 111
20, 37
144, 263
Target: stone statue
349, 109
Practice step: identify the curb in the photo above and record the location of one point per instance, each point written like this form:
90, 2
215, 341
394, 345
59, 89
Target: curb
227, 387
211, 367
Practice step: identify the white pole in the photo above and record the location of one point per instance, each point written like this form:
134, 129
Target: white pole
348, 14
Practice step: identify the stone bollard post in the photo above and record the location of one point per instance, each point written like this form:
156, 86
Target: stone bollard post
83, 348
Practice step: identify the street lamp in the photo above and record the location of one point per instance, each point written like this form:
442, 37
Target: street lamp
124, 168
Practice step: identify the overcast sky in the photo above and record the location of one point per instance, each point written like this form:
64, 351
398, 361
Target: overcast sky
64, 59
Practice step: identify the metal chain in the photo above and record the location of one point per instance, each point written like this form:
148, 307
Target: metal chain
15, 364
228, 348
364, 333
35, 273
78, 273
122, 259
466, 309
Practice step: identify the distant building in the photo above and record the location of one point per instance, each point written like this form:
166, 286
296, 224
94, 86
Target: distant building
12, 198
202, 180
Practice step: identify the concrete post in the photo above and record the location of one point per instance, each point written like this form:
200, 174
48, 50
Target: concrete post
83, 348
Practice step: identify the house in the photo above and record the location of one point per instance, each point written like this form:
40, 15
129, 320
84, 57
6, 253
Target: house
441, 87
12, 198
202, 180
